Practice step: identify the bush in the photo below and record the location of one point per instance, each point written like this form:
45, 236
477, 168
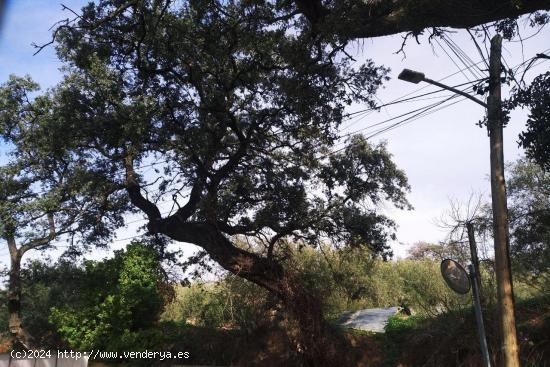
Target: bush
119, 298
230, 303
398, 326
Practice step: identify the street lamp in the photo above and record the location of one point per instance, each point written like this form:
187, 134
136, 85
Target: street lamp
505, 295
416, 77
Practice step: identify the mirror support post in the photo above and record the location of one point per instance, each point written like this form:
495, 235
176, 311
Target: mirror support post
479, 318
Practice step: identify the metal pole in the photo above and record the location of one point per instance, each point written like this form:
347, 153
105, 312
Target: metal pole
479, 319
457, 91
473, 254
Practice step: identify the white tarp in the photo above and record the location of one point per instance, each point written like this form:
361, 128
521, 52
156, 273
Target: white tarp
373, 319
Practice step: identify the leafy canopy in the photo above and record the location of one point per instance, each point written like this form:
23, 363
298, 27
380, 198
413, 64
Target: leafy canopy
240, 109
536, 138
237, 105
529, 195
45, 191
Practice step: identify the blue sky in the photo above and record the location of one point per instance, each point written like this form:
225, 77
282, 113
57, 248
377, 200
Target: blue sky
445, 155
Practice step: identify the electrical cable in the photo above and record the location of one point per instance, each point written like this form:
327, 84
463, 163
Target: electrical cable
453, 61
421, 112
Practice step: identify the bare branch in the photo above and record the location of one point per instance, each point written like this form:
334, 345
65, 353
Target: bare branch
68, 24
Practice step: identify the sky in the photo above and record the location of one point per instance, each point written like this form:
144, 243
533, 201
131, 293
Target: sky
445, 155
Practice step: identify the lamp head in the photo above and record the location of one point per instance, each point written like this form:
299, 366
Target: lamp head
411, 76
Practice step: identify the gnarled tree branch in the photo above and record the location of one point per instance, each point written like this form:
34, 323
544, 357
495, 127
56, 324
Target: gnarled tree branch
361, 19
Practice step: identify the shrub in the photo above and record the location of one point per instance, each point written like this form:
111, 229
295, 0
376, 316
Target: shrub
398, 326
231, 303
119, 298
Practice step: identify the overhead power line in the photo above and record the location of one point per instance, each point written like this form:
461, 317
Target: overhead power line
403, 100
469, 64
418, 110
417, 116
414, 115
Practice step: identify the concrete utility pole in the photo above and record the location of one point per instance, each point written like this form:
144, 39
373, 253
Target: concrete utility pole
505, 294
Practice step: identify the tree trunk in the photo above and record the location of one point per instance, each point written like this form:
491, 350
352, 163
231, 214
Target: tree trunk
17, 332
313, 340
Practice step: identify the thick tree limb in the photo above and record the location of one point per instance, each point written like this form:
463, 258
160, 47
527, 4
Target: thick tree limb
133, 188
361, 19
194, 198
248, 265
44, 240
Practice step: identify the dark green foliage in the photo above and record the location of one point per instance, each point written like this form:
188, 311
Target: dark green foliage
239, 107
529, 196
114, 301
536, 138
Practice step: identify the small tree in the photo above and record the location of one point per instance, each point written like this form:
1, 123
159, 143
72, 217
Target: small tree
529, 195
44, 193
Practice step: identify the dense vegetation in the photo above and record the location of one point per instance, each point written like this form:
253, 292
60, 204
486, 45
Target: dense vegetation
95, 304
126, 303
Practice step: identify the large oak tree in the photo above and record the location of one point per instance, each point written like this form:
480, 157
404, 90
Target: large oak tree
241, 107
